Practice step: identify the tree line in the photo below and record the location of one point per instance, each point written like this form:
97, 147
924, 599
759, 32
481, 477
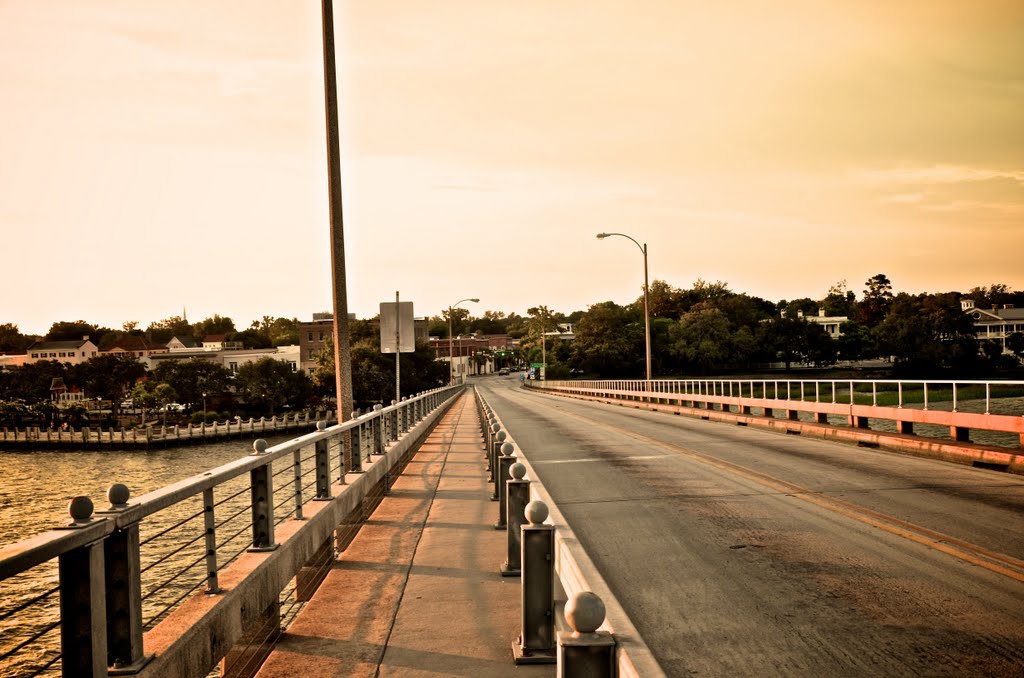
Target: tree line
710, 329
703, 330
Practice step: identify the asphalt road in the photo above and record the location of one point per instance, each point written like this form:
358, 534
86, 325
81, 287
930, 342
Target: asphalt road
740, 552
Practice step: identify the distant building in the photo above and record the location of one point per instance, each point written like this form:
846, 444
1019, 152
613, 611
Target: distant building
218, 342
312, 336
182, 344
136, 346
832, 324
996, 323
74, 352
232, 359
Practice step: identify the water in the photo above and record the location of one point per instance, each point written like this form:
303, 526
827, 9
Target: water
34, 493
37, 485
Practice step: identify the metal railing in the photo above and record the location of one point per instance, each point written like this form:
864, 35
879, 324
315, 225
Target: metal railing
80, 598
953, 408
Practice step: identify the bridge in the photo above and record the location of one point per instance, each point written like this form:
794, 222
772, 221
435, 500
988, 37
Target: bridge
719, 541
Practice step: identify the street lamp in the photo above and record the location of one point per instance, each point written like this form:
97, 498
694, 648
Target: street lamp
451, 342
647, 315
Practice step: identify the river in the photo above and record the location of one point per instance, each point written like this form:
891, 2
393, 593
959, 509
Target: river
38, 484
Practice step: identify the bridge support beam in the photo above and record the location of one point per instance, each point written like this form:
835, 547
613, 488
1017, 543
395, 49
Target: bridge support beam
820, 418
857, 421
905, 427
961, 434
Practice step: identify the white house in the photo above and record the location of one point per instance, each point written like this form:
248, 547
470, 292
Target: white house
74, 352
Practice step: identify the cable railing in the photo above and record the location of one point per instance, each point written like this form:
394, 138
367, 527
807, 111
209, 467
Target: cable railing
78, 600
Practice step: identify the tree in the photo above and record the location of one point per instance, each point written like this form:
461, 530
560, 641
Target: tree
269, 384
190, 379
610, 341
1015, 342
12, 340
703, 337
665, 301
855, 342
215, 324
876, 301
31, 382
162, 331
270, 331
928, 333
109, 377
492, 322
805, 306
71, 331
839, 301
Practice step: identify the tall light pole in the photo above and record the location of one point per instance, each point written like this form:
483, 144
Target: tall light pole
451, 341
647, 314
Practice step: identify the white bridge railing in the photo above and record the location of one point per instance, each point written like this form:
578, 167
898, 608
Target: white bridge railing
990, 412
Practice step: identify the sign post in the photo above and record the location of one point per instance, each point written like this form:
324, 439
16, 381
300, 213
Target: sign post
397, 334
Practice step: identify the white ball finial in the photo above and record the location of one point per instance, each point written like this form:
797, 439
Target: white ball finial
536, 512
517, 471
584, 612
507, 449
259, 445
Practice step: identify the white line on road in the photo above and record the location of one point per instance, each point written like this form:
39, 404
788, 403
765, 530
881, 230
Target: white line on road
589, 459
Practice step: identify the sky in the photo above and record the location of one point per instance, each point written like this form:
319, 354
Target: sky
166, 157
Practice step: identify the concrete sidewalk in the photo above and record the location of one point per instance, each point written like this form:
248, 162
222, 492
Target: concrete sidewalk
418, 591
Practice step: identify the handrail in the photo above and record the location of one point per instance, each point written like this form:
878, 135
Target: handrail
368, 434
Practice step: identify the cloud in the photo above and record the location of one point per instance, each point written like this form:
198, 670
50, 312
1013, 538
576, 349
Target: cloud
939, 174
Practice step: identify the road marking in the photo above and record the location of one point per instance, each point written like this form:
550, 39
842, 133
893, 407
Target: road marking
993, 561
604, 459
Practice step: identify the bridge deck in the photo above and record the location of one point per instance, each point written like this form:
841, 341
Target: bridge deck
418, 592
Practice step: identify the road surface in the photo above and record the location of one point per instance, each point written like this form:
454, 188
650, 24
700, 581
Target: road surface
740, 552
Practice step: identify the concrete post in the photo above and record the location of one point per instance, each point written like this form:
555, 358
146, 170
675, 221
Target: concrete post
355, 435
505, 462
261, 492
323, 466
518, 491
493, 452
123, 582
83, 606
393, 421
377, 431
536, 642
586, 652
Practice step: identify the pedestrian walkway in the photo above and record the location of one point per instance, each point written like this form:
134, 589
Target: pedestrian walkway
418, 592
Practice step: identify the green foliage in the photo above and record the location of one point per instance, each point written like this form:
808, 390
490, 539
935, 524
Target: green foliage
269, 332
162, 331
215, 324
269, 385
610, 341
928, 332
190, 379
109, 377
73, 330
12, 340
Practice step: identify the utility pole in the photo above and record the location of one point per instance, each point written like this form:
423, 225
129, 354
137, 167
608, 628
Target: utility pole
342, 352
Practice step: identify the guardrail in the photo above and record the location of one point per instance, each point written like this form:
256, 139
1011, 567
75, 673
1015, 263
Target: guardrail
918, 412
123, 588
574, 571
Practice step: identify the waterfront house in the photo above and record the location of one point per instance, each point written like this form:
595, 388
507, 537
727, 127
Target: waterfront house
74, 352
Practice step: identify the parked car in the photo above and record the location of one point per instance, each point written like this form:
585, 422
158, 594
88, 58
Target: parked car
503, 371
173, 407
